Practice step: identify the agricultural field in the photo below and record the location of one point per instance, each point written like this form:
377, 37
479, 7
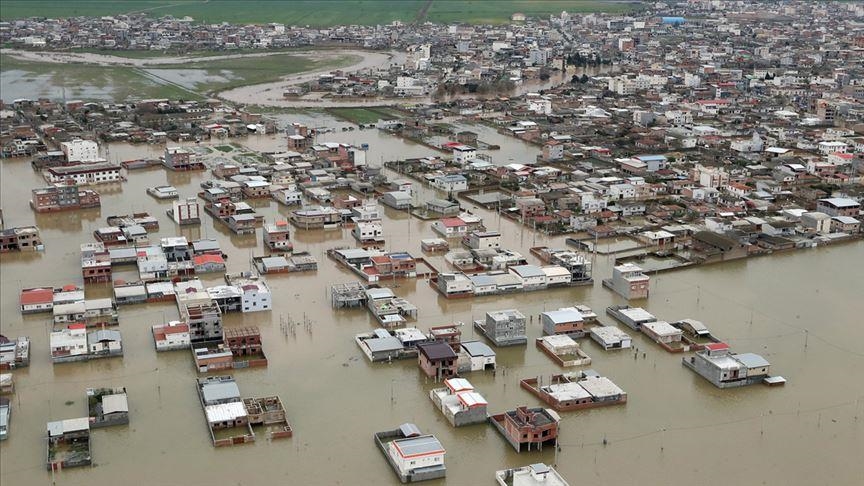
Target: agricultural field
27, 79
193, 80
311, 12
499, 11
363, 115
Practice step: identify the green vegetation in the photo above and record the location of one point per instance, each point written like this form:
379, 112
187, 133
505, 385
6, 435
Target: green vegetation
194, 80
310, 12
499, 11
224, 148
222, 74
88, 81
362, 115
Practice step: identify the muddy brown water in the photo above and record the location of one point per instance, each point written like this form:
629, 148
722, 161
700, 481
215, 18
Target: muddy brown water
675, 429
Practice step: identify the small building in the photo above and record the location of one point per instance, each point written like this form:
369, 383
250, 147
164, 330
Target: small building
504, 327
476, 356
185, 212
434, 245
443, 207
566, 320
380, 345
69, 344
532, 277
397, 199
414, 457
68, 444
534, 475
628, 281
40, 299
437, 360
576, 391
171, 336
104, 343
107, 406
632, 317
5, 418
527, 428
838, 206
481, 240
717, 364
664, 334
610, 337
224, 411
277, 236
23, 238
14, 353
450, 227
563, 350
454, 285
368, 233
459, 403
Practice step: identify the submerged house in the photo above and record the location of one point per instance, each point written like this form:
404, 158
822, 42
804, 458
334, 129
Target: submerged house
437, 360
107, 406
504, 327
527, 428
459, 403
413, 456
68, 444
717, 364
576, 391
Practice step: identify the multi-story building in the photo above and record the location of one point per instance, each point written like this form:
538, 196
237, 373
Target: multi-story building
24, 238
628, 281
80, 151
504, 327
63, 197
84, 175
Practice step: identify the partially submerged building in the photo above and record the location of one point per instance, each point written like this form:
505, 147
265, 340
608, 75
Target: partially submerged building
563, 350
459, 403
107, 406
68, 444
14, 353
504, 327
534, 475
413, 456
527, 428
717, 364
628, 281
576, 391
437, 360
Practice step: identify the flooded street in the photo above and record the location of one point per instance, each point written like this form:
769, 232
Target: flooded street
675, 429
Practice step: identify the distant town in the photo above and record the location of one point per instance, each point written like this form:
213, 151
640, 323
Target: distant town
658, 141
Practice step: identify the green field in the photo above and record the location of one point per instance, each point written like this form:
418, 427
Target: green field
84, 81
309, 12
192, 80
363, 115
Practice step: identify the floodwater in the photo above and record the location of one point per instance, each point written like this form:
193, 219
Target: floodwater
675, 429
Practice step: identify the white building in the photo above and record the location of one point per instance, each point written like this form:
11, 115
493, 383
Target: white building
81, 151
629, 282
256, 295
414, 453
541, 106
69, 344
450, 182
186, 211
463, 153
368, 232
171, 336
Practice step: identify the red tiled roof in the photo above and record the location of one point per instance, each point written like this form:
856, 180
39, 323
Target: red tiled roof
452, 222
207, 258
37, 296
